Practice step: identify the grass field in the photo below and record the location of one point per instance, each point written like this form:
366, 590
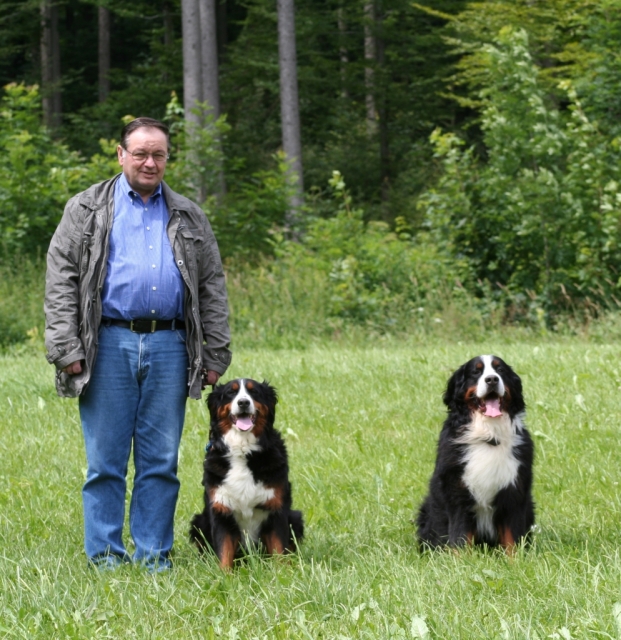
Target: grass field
361, 426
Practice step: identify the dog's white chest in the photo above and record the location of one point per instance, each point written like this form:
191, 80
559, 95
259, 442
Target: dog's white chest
488, 468
239, 491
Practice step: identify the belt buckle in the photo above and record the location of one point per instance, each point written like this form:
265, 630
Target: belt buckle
136, 326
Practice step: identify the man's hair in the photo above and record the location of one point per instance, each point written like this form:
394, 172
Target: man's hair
140, 123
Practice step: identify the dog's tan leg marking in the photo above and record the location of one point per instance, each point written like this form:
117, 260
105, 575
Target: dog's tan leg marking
273, 543
469, 538
275, 503
227, 552
506, 540
218, 507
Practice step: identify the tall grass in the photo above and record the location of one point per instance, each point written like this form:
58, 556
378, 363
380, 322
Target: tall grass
22, 284
361, 423
284, 305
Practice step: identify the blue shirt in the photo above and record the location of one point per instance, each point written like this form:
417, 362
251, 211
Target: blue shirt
142, 280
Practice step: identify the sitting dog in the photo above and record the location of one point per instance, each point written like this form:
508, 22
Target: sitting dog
246, 476
480, 490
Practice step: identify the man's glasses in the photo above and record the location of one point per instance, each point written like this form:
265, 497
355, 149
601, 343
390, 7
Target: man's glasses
141, 156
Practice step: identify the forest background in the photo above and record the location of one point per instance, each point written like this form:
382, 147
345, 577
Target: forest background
458, 167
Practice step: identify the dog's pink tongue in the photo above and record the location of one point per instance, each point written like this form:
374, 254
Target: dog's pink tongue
492, 408
244, 423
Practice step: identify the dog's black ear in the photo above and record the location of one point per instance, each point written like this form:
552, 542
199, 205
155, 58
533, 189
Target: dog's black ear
271, 395
454, 394
514, 382
214, 399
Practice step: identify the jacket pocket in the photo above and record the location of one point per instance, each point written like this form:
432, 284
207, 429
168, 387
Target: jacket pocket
192, 245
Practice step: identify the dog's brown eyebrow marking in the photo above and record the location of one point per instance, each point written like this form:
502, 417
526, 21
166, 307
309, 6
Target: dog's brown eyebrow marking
249, 385
495, 363
479, 365
235, 386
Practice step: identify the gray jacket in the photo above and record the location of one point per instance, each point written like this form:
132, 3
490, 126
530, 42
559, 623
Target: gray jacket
76, 268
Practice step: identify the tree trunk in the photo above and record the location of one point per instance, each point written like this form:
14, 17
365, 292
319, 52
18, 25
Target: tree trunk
50, 65
382, 116
370, 48
209, 77
169, 34
192, 82
343, 53
222, 22
192, 88
289, 106
104, 53
169, 26
209, 57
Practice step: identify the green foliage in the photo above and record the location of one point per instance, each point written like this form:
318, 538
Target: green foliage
596, 65
253, 212
37, 173
198, 159
540, 215
374, 276
253, 209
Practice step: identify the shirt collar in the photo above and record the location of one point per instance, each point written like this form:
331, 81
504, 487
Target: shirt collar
131, 194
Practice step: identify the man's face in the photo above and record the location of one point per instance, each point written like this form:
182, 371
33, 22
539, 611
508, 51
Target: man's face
144, 175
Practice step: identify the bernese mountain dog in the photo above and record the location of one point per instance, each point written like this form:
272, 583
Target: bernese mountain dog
480, 490
246, 476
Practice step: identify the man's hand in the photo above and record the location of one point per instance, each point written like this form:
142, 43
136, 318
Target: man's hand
209, 377
74, 368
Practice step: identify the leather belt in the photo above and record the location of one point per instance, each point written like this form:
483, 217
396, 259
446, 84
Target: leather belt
144, 325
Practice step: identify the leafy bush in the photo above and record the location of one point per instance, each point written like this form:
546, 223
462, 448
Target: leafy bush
252, 213
245, 216
37, 173
537, 220
374, 276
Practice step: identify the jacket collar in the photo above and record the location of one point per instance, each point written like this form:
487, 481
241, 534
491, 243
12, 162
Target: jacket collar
97, 196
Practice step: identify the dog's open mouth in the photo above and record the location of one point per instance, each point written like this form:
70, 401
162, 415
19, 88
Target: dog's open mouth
243, 421
490, 406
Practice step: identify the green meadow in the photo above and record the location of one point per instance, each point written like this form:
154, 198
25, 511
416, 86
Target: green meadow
361, 423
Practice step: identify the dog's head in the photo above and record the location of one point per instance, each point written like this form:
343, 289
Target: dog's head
486, 384
242, 404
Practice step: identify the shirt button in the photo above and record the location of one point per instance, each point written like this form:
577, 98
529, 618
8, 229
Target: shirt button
152, 266
154, 288
152, 310
151, 246
148, 228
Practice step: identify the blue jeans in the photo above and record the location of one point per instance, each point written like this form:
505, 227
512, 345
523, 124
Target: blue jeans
136, 395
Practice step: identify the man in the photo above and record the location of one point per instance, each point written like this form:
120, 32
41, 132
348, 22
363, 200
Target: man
136, 320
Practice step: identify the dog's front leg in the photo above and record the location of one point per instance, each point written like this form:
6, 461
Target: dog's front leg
226, 538
459, 534
273, 542
225, 534
275, 534
226, 549
506, 539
